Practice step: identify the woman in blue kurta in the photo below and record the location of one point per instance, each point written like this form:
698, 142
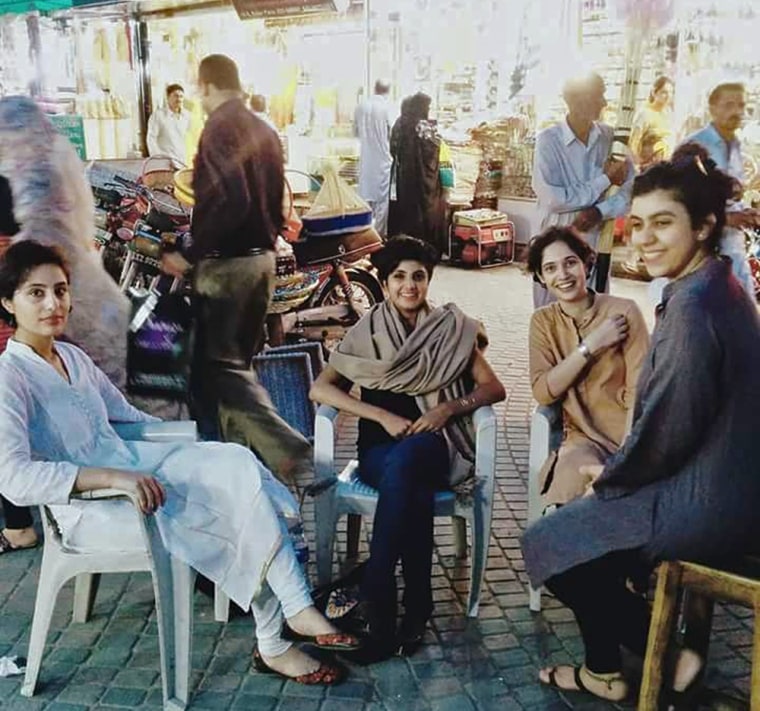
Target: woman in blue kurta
216, 505
686, 481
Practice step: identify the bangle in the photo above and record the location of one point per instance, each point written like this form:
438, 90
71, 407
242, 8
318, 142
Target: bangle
466, 402
585, 351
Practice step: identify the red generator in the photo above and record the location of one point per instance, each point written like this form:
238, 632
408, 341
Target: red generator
481, 238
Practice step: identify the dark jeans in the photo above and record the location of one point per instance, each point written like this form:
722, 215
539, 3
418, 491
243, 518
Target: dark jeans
608, 613
406, 474
16, 516
231, 299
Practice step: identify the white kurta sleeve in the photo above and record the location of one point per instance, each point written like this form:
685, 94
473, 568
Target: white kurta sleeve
23, 480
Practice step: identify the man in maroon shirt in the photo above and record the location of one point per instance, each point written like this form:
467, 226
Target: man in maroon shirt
238, 181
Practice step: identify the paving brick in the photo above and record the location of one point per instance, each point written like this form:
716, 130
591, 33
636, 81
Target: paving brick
123, 696
489, 663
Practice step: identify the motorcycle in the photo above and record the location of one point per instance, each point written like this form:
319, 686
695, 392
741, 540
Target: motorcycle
339, 284
343, 287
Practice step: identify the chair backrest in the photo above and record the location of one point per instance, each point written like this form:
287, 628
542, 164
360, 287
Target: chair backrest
313, 349
288, 377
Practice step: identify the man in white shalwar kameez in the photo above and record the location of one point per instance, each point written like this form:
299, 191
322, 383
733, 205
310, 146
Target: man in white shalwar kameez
372, 125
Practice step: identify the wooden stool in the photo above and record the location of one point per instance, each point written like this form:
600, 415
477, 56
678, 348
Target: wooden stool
739, 583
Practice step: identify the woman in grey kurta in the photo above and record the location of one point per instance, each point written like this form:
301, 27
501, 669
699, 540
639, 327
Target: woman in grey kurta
686, 482
216, 506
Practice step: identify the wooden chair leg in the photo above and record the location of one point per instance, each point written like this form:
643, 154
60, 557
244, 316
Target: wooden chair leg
660, 631
755, 689
353, 531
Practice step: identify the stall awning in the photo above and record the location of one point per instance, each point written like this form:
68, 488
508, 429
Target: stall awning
18, 7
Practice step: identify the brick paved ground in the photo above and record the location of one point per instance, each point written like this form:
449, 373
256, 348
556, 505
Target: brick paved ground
488, 663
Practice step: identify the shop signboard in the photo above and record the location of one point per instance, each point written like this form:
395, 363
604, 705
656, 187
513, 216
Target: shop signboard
71, 126
248, 9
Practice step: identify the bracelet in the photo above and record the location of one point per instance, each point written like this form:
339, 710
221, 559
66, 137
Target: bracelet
466, 402
585, 351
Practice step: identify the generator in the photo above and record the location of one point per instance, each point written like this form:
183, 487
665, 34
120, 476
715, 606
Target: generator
481, 238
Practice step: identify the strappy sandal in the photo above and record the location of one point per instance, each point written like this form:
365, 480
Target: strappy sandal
334, 642
325, 675
609, 680
7, 547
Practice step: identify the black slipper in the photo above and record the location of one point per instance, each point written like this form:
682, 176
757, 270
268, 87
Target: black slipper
580, 686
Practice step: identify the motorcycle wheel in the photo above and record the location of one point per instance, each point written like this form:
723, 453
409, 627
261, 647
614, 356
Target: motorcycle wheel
365, 293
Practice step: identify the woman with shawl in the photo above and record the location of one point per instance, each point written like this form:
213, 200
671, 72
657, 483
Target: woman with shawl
417, 205
51, 200
422, 372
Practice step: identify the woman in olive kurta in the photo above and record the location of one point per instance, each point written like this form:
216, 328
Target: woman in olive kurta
585, 353
686, 482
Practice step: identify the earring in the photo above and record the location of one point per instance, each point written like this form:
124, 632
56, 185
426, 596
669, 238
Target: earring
11, 320
71, 308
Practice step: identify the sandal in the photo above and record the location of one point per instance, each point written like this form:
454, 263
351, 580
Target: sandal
334, 642
326, 674
608, 679
7, 547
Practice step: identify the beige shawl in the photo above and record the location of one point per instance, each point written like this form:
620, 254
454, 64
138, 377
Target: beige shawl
430, 364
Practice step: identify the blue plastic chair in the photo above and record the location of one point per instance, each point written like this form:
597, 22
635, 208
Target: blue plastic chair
351, 496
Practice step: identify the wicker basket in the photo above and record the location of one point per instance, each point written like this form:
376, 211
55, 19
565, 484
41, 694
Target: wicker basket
287, 298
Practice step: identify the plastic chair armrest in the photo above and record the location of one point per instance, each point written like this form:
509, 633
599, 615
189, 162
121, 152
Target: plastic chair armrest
172, 431
324, 442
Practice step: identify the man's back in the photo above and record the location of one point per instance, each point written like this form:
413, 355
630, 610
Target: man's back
238, 183
372, 125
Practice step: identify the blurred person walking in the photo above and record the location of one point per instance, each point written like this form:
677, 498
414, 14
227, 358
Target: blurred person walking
47, 197
238, 182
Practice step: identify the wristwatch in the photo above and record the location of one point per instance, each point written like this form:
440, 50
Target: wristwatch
585, 351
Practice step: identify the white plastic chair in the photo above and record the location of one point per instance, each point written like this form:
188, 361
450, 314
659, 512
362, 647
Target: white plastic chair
172, 580
545, 436
351, 496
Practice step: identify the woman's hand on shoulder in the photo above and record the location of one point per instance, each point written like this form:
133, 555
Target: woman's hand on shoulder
610, 332
148, 491
433, 420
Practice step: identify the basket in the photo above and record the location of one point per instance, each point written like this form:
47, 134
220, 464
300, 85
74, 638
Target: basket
290, 296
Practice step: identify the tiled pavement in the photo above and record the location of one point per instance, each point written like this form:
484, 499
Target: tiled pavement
488, 663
